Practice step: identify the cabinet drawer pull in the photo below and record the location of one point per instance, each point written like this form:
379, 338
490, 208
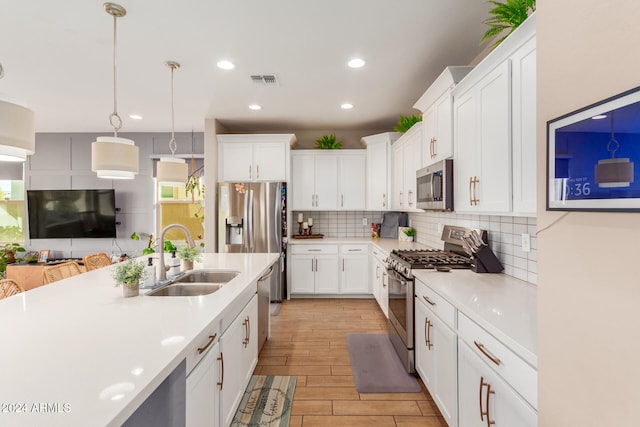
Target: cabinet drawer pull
314, 250
428, 326
428, 300
487, 412
355, 250
342, 200
249, 172
212, 338
342, 264
257, 171
486, 353
221, 383
470, 193
245, 341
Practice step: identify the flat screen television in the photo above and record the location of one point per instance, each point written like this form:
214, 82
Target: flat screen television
58, 214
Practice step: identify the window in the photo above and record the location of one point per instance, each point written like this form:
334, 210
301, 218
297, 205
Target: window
176, 206
12, 216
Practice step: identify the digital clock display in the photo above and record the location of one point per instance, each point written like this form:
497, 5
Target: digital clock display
594, 156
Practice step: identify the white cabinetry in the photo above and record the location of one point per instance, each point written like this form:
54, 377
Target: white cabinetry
494, 129
314, 269
354, 277
483, 153
436, 350
379, 170
328, 181
238, 357
352, 171
485, 398
523, 86
407, 159
436, 105
202, 392
255, 157
380, 280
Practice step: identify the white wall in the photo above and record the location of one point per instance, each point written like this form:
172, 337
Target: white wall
588, 280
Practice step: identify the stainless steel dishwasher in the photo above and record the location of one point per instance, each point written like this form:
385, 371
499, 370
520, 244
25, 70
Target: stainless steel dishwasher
264, 299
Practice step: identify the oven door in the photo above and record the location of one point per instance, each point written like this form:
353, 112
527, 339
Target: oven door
401, 318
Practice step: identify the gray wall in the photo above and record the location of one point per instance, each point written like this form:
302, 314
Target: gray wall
63, 161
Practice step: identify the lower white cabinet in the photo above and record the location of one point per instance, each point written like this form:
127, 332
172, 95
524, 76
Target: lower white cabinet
435, 352
203, 394
354, 274
314, 269
238, 358
380, 281
485, 398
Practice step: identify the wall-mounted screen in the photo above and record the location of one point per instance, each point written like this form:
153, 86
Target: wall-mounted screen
593, 157
55, 214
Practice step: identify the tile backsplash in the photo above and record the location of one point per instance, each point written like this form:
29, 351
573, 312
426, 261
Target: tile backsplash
505, 233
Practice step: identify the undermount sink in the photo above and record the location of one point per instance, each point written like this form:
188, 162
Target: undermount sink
206, 276
195, 283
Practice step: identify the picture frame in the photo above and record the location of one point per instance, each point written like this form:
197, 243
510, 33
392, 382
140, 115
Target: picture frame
43, 255
593, 157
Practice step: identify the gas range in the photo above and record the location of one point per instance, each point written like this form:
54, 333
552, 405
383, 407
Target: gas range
403, 261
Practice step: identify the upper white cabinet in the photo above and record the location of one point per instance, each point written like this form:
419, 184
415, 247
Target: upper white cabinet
483, 154
407, 159
523, 126
494, 129
436, 105
324, 180
379, 170
254, 157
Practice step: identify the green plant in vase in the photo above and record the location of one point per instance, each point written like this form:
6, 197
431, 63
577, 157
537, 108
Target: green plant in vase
188, 256
8, 253
406, 122
507, 16
410, 233
328, 142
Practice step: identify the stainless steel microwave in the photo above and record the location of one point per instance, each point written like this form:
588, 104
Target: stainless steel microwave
434, 186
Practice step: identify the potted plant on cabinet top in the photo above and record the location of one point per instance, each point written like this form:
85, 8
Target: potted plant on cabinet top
129, 274
507, 16
188, 256
405, 123
328, 142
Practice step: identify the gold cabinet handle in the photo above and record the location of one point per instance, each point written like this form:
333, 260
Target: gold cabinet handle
245, 341
212, 338
383, 276
487, 354
409, 198
428, 300
426, 332
221, 383
470, 193
249, 171
257, 171
487, 412
377, 272
400, 198
435, 153
429, 325
384, 200
248, 329
342, 200
342, 264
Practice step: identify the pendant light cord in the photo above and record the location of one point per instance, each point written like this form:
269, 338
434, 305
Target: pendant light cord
612, 145
114, 118
172, 143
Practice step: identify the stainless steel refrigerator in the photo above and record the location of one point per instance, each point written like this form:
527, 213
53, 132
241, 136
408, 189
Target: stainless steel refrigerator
252, 218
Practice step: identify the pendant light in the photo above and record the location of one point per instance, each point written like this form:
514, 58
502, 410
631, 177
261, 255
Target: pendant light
613, 172
172, 171
114, 157
17, 131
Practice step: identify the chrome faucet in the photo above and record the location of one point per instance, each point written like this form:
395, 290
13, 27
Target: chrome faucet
163, 271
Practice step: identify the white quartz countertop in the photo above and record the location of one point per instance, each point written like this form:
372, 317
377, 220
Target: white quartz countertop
95, 356
503, 305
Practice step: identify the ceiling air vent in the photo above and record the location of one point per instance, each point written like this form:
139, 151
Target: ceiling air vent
265, 79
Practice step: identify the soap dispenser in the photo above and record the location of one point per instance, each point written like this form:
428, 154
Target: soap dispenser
174, 265
150, 270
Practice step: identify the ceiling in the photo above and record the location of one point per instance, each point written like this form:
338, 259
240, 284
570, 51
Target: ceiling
57, 58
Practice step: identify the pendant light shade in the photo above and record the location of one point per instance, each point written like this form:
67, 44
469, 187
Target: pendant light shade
113, 157
17, 132
172, 171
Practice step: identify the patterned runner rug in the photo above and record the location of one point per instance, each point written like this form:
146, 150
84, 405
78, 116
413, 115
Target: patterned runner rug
266, 402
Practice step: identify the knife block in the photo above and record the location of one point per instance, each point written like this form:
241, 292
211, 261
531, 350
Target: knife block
486, 261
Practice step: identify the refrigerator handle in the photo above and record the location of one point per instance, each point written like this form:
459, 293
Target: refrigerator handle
246, 224
250, 217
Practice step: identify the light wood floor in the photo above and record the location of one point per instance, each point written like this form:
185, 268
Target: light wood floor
308, 339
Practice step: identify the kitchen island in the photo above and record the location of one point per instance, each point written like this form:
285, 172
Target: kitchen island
76, 353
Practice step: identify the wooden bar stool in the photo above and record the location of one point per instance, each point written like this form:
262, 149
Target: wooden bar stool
8, 288
52, 273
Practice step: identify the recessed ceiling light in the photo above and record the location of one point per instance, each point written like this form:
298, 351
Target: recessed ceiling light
255, 107
599, 117
346, 106
356, 63
135, 116
226, 65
